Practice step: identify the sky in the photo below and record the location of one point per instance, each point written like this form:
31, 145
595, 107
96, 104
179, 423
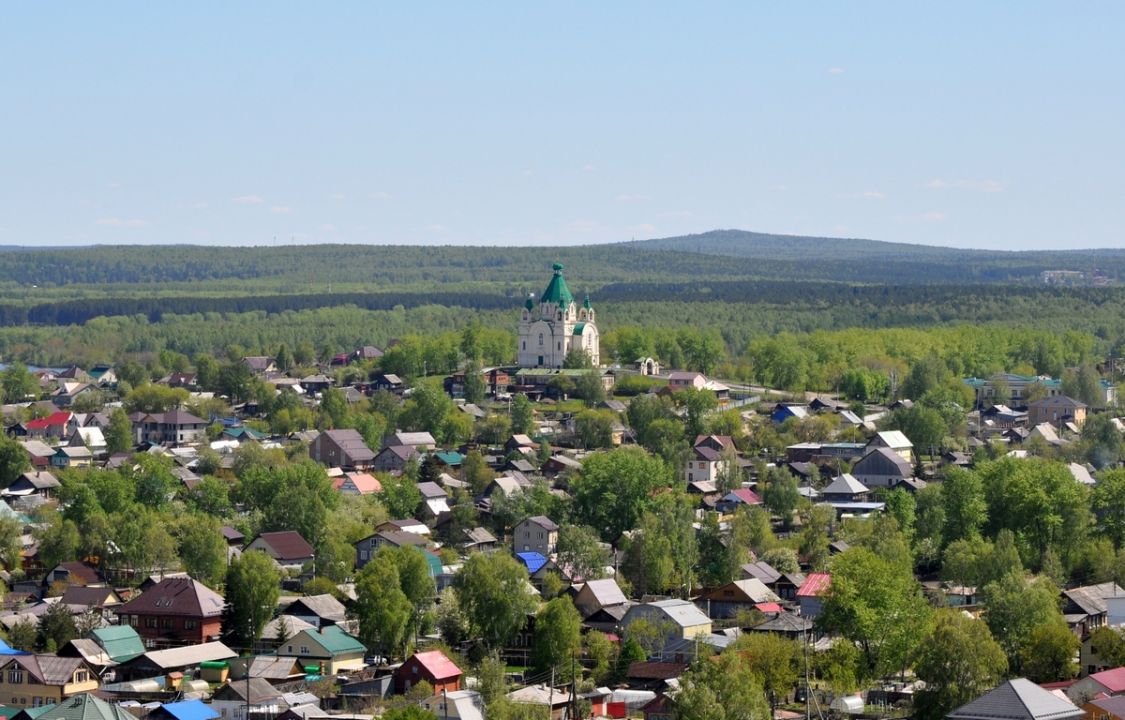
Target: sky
994, 125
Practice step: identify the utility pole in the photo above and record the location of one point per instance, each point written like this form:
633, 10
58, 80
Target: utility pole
808, 690
573, 690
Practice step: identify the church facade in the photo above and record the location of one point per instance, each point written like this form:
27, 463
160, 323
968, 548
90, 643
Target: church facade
548, 332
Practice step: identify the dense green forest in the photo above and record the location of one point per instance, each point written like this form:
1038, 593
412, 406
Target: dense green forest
712, 301
717, 255
778, 305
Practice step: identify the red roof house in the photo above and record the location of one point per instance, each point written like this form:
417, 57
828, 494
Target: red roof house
811, 592
54, 425
433, 667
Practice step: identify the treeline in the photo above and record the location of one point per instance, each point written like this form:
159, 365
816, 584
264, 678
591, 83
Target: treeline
763, 344
396, 265
716, 255
76, 312
759, 306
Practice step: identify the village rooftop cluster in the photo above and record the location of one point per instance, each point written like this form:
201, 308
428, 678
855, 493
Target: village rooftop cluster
253, 537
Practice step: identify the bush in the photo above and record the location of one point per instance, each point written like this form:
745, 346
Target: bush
630, 385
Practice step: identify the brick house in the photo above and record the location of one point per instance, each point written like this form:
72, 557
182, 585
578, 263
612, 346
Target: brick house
175, 611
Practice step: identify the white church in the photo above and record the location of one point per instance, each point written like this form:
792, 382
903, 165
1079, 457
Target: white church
547, 334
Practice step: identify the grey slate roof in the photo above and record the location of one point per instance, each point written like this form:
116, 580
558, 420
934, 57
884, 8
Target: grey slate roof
323, 606
785, 623
1018, 699
1092, 598
845, 485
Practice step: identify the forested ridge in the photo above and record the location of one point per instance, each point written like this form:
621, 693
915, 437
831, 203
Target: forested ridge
856, 259
108, 304
713, 255
835, 304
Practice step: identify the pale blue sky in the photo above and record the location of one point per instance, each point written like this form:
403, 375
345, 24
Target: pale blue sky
985, 124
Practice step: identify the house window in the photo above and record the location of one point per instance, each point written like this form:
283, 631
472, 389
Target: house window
15, 676
540, 339
166, 623
190, 624
523, 345
290, 648
304, 650
36, 702
150, 622
81, 676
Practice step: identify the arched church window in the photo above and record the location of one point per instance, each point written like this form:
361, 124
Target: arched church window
540, 338
560, 314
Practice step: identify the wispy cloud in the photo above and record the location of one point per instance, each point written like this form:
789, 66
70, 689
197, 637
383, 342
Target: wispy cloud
379, 195
932, 216
836, 71
988, 186
248, 200
121, 222
873, 195
281, 210
589, 167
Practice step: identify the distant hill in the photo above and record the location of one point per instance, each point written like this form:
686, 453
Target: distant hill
716, 256
859, 260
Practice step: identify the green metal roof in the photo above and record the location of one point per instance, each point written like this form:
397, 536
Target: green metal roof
244, 431
557, 292
335, 640
434, 562
120, 642
450, 458
579, 328
83, 707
